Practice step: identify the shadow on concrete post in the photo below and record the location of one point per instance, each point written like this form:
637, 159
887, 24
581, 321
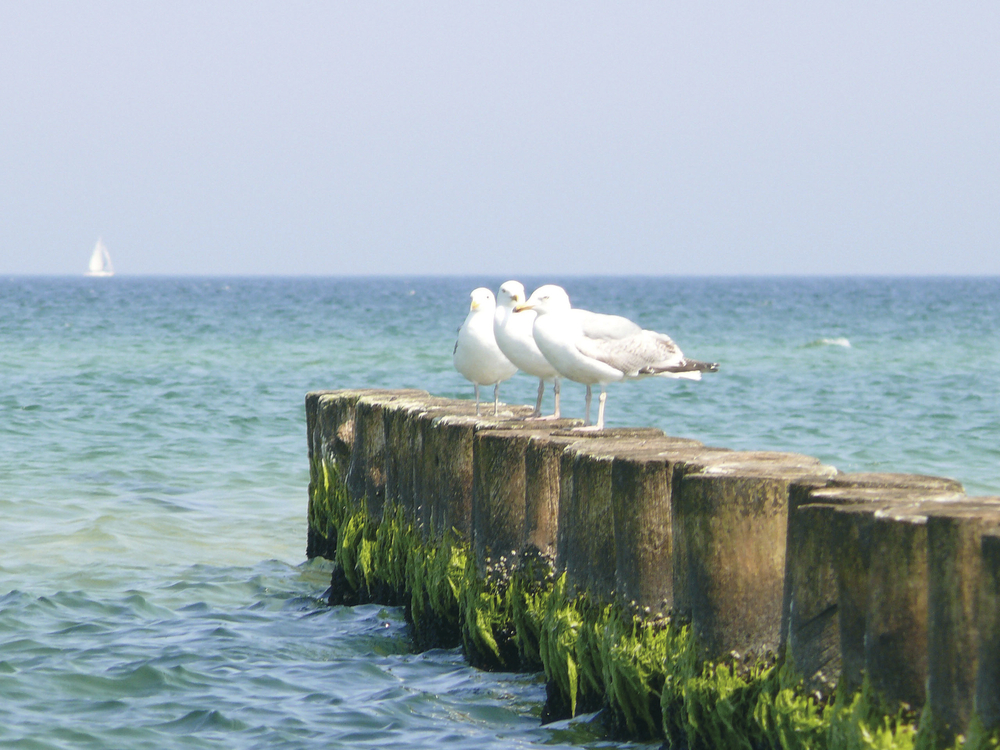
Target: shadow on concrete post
810, 622
955, 570
732, 516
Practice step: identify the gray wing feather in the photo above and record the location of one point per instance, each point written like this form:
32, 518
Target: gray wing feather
642, 352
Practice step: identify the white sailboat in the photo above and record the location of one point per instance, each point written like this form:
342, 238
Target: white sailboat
100, 261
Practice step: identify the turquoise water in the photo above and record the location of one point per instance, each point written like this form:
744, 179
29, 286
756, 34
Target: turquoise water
153, 586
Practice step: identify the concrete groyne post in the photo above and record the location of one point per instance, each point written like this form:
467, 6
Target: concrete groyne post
332, 437
956, 635
892, 576
860, 517
317, 538
404, 448
988, 618
366, 472
543, 456
444, 473
586, 540
895, 639
811, 612
499, 494
586, 530
732, 516
642, 495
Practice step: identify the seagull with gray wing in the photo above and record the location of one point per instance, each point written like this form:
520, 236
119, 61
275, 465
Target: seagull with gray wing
596, 349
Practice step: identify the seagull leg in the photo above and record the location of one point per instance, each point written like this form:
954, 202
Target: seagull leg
586, 422
496, 399
476, 385
538, 403
600, 409
538, 406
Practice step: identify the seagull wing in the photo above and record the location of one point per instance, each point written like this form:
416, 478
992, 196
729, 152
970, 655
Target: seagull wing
623, 345
608, 327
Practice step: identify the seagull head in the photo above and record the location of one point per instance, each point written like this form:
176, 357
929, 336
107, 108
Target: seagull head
482, 298
511, 293
546, 299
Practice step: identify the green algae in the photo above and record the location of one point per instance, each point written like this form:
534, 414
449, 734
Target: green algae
645, 673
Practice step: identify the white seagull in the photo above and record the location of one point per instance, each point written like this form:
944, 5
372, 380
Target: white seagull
515, 339
591, 348
476, 353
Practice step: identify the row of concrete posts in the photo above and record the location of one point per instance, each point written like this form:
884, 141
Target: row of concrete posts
891, 576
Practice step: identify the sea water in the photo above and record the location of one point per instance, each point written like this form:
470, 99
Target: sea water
154, 591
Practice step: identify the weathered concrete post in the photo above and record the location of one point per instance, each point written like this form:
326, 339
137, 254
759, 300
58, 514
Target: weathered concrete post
332, 431
365, 479
988, 674
443, 486
404, 448
318, 533
543, 457
444, 469
954, 542
895, 640
642, 497
811, 627
850, 535
499, 493
733, 518
586, 548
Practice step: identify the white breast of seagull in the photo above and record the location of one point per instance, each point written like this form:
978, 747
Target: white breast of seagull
559, 336
513, 331
476, 354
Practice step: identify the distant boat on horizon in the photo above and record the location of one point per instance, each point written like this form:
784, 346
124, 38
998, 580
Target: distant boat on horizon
100, 261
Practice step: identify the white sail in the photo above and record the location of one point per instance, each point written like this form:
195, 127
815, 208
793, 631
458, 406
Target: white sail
100, 261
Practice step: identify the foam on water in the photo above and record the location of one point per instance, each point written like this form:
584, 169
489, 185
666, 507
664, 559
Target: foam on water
154, 589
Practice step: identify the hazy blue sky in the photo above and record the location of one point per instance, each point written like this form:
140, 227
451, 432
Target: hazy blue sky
502, 137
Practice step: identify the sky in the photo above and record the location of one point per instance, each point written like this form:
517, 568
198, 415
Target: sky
342, 138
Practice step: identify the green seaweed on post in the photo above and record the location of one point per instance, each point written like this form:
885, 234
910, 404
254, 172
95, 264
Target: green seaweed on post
561, 623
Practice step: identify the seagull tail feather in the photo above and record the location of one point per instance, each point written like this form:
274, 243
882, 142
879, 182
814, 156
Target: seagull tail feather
688, 368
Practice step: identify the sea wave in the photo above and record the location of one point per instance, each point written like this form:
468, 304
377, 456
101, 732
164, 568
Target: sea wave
839, 341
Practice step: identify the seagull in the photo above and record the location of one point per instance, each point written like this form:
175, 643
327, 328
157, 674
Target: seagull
591, 348
514, 337
476, 353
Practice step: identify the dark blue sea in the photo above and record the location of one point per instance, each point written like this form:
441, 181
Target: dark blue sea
154, 591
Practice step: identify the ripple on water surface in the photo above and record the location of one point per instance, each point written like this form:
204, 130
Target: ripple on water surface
154, 487
283, 670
